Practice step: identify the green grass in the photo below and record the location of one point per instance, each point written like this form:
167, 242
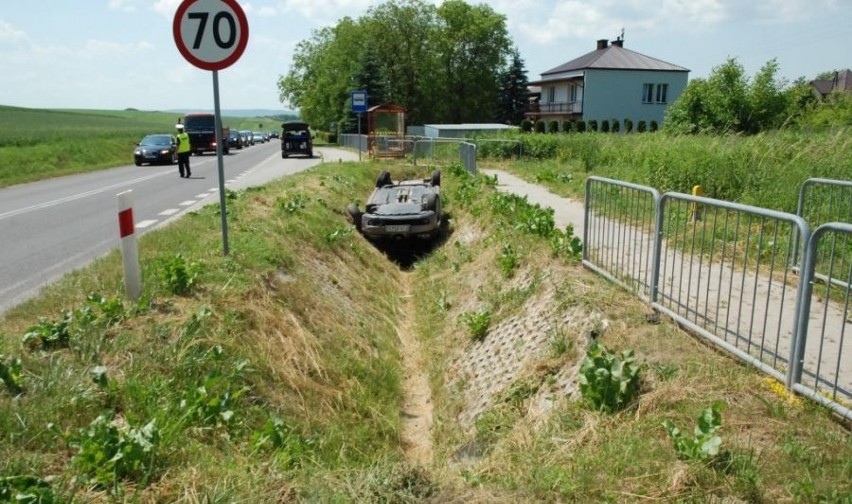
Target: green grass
275, 373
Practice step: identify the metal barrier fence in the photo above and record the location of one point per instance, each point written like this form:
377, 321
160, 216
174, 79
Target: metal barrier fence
426, 148
820, 371
353, 141
725, 271
821, 201
618, 236
467, 155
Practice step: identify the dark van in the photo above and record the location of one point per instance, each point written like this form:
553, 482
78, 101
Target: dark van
201, 129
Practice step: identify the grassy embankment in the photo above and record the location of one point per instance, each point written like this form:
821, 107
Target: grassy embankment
37, 144
275, 373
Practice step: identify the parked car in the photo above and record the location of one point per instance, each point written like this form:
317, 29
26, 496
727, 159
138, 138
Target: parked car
272, 134
247, 138
296, 139
400, 210
156, 149
257, 136
235, 139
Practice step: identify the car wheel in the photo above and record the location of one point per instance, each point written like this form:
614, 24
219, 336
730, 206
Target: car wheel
283, 155
174, 159
436, 178
356, 215
384, 179
432, 202
138, 163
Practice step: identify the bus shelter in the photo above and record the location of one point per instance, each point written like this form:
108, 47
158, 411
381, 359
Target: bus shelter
386, 131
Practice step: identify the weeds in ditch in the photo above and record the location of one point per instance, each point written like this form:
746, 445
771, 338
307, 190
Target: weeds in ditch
609, 381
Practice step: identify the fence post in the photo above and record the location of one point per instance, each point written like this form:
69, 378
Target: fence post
129, 247
696, 207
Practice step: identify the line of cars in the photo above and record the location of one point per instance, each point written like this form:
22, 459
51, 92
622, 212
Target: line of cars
161, 148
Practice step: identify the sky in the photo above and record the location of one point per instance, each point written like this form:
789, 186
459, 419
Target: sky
117, 54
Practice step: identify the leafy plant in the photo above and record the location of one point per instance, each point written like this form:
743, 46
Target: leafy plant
277, 435
508, 260
291, 203
110, 450
477, 322
704, 445
26, 489
338, 234
609, 381
565, 244
212, 403
11, 374
48, 334
180, 275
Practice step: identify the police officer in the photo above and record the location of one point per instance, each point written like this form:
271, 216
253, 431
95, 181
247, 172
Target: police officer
183, 151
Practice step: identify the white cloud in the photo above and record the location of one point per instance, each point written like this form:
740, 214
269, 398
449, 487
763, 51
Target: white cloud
123, 5
166, 7
11, 35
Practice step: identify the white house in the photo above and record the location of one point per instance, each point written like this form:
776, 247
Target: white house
609, 83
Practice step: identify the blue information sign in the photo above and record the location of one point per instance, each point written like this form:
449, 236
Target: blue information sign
359, 101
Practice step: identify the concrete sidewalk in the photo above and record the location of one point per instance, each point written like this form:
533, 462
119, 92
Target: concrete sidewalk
565, 211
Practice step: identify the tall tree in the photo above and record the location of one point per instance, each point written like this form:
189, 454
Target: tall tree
441, 63
513, 96
472, 46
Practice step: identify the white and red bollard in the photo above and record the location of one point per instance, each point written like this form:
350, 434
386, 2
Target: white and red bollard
129, 247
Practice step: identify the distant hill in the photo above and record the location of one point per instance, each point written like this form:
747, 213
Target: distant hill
278, 114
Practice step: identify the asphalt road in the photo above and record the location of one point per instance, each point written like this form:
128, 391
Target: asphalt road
52, 227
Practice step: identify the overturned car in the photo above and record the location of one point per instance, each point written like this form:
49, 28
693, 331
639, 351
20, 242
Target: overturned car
399, 210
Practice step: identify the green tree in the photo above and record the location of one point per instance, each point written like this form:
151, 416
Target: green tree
728, 102
319, 79
472, 44
441, 63
512, 100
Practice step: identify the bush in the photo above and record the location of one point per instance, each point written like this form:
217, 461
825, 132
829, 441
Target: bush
526, 125
593, 125
641, 127
605, 126
654, 126
581, 126
568, 126
609, 381
615, 126
539, 126
553, 127
628, 126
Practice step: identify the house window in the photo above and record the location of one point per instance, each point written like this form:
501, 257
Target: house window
572, 93
662, 91
647, 93
551, 94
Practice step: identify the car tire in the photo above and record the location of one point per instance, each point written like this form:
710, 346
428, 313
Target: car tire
384, 179
433, 202
310, 154
355, 214
174, 159
283, 156
138, 163
436, 178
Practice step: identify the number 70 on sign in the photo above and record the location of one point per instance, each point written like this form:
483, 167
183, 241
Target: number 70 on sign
210, 34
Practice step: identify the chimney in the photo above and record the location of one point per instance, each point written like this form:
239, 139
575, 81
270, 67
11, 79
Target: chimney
618, 42
603, 43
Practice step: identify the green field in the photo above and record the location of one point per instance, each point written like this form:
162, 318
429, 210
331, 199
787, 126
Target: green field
37, 144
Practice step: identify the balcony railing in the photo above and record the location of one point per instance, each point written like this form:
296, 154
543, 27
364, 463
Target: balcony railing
573, 107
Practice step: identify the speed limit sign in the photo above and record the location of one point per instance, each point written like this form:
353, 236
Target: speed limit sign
210, 34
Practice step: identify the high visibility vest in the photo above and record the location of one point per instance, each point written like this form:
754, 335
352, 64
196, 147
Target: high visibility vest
183, 142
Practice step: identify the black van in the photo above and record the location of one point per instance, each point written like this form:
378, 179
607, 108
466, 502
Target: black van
296, 139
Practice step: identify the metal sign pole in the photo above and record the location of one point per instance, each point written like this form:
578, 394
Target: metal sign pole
359, 137
219, 149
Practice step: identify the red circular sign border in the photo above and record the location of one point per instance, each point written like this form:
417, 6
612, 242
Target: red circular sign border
211, 65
